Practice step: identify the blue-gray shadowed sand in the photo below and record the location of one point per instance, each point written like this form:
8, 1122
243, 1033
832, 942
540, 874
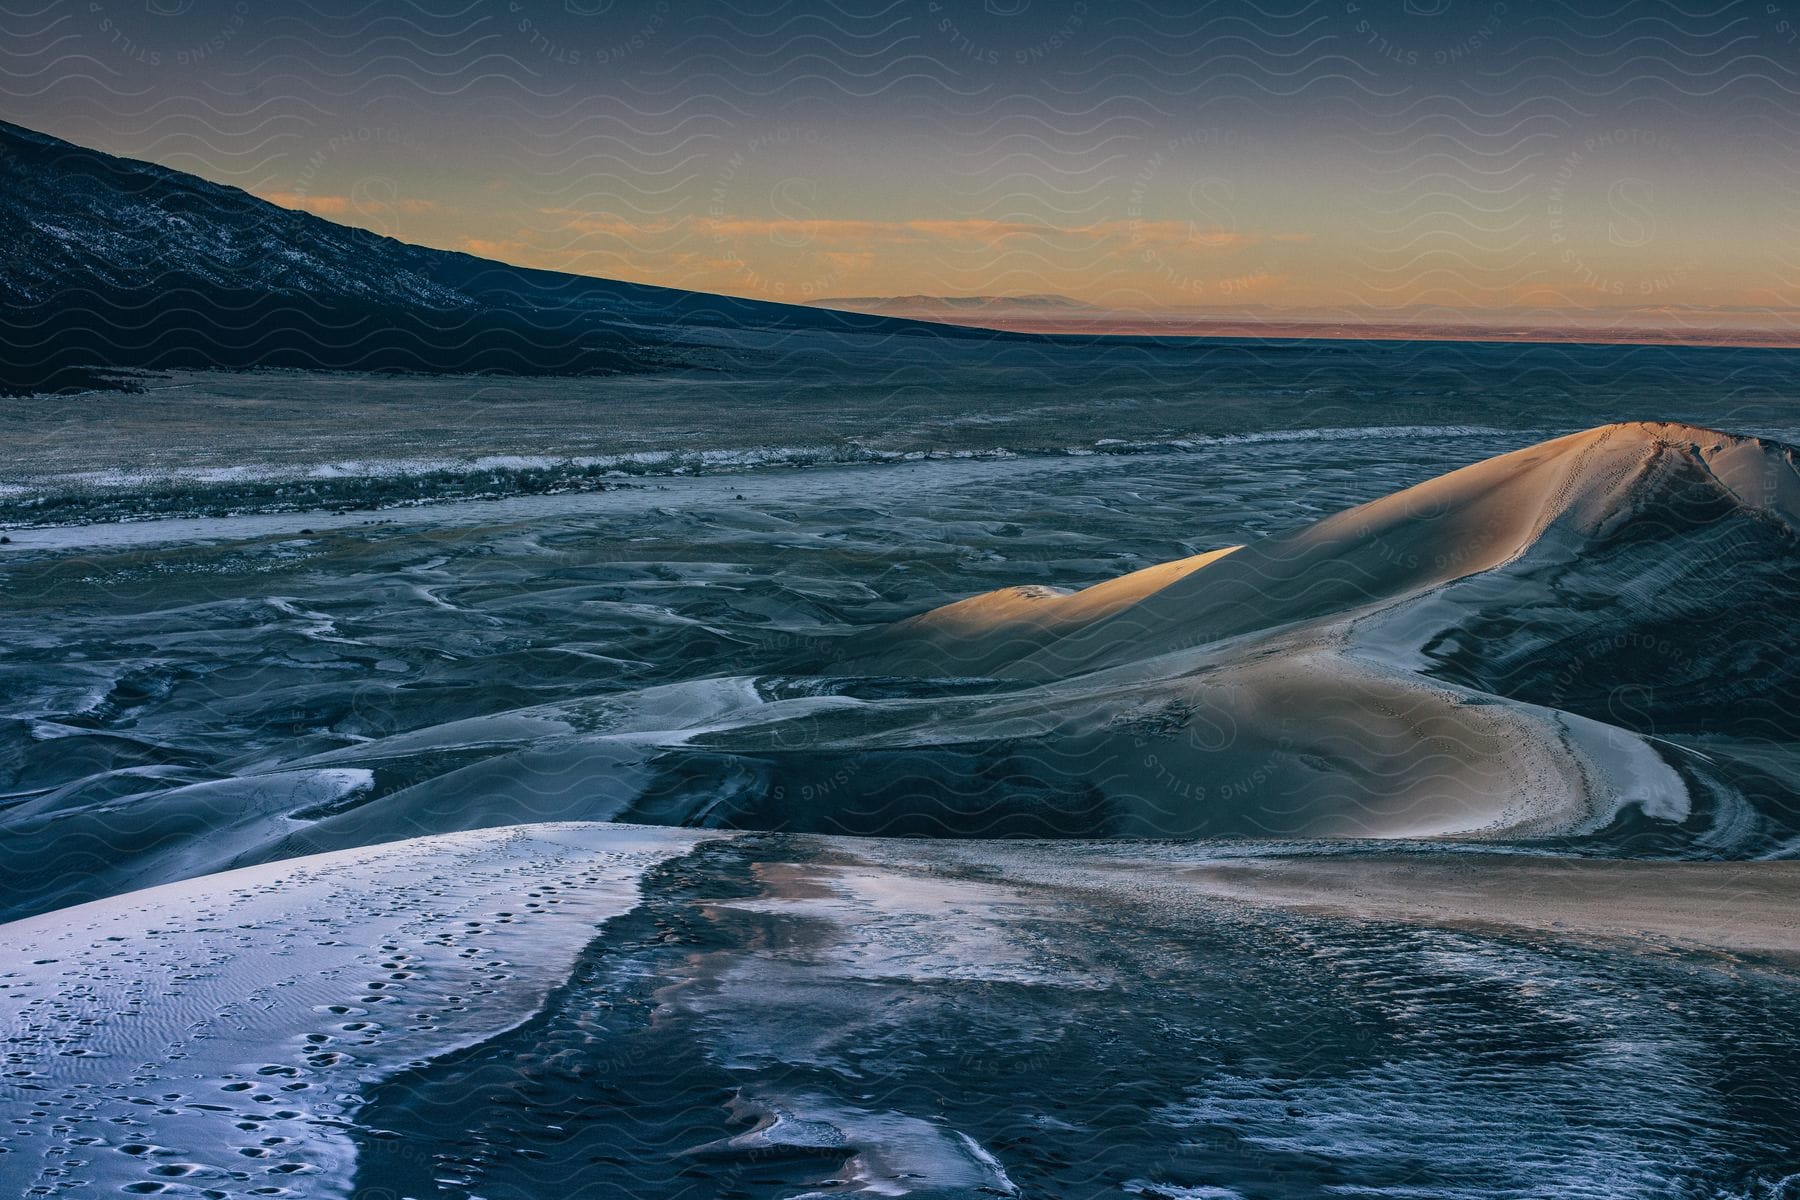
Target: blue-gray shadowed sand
1258, 815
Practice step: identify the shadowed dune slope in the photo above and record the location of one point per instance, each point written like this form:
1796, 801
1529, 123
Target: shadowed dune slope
1591, 642
1590, 638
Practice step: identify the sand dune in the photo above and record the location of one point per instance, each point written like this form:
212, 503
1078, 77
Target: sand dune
1744, 908
254, 1004
1446, 661
1579, 654
1551, 501
646, 1011
982, 634
1590, 639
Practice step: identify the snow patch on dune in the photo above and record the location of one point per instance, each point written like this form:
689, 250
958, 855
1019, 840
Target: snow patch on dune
239, 1017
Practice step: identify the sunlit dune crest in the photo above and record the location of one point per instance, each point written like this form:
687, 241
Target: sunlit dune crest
1472, 520
1326, 682
983, 632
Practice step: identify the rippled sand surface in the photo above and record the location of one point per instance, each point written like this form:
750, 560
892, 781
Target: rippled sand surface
597, 1009
331, 841
240, 675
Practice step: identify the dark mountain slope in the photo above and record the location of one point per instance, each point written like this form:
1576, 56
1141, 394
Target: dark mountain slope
113, 263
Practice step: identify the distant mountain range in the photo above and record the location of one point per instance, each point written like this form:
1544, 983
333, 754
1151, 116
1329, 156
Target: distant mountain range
961, 306
110, 264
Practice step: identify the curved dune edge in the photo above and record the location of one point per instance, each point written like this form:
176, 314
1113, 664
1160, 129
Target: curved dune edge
177, 1012
1279, 690
159, 1023
1547, 499
1707, 907
1739, 908
1283, 686
1292, 688
983, 633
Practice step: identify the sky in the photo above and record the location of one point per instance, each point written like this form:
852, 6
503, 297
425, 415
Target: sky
1489, 156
